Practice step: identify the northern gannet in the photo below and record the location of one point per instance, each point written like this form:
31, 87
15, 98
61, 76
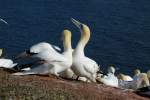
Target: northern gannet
136, 72
6, 63
125, 77
109, 79
54, 62
138, 82
82, 65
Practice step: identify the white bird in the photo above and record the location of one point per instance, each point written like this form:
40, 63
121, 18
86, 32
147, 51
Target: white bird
6, 63
137, 72
148, 73
140, 81
125, 77
54, 62
109, 79
82, 65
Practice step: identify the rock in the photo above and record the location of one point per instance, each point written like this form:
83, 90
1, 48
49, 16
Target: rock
33, 87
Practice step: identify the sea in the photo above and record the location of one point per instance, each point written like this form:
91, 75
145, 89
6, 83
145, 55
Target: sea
120, 29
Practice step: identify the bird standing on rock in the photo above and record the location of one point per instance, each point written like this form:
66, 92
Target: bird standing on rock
82, 65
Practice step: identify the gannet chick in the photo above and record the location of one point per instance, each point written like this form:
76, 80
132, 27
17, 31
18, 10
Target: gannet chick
109, 79
125, 77
55, 62
82, 65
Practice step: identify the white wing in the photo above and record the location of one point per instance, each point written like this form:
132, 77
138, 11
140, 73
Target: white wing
129, 78
48, 52
110, 80
90, 65
7, 63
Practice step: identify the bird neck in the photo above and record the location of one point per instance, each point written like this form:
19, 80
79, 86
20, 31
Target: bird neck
67, 44
85, 36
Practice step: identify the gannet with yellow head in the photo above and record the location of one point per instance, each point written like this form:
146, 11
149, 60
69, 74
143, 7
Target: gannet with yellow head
82, 65
139, 80
125, 77
55, 62
136, 73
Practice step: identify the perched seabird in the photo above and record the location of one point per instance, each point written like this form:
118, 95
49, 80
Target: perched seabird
82, 65
54, 62
109, 79
143, 76
137, 72
125, 77
6, 63
139, 82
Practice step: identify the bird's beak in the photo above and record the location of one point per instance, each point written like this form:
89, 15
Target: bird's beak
22, 55
77, 23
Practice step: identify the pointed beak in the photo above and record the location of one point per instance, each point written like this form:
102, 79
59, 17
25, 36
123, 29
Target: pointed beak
77, 23
22, 55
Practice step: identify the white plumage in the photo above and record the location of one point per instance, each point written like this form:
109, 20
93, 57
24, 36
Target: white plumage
125, 77
7, 63
140, 81
82, 65
54, 61
109, 79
